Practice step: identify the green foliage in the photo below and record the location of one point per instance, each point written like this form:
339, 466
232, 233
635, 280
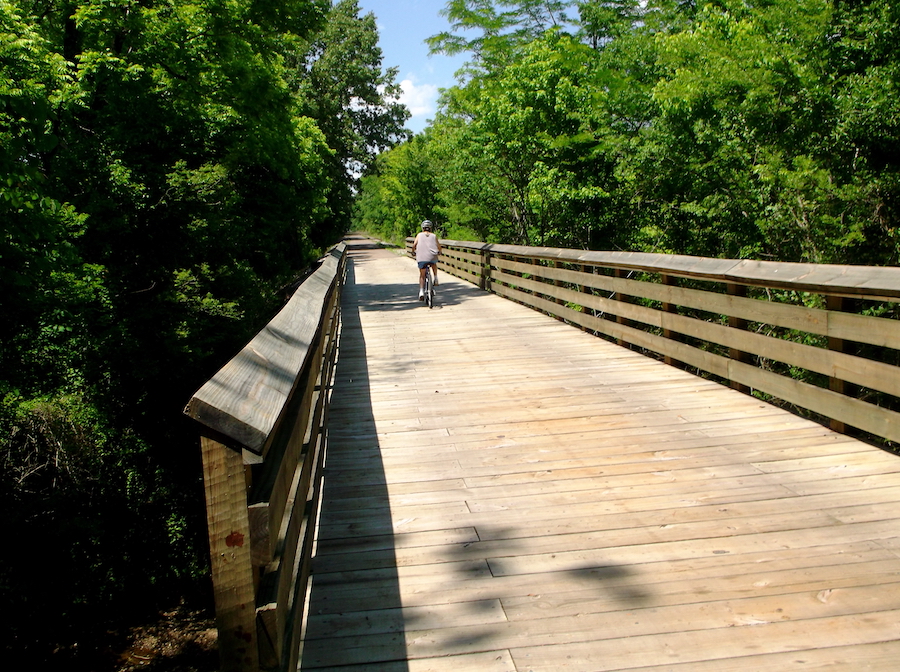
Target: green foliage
723, 129
167, 167
501, 32
339, 83
79, 494
602, 22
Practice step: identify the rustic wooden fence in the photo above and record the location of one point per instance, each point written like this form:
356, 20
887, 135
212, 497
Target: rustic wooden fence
264, 417
823, 338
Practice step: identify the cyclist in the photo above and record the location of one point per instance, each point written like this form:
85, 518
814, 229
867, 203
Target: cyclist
426, 247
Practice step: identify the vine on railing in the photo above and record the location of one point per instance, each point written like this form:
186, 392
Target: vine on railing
264, 417
823, 338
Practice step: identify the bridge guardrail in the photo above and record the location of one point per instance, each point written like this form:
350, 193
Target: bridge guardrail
824, 338
264, 417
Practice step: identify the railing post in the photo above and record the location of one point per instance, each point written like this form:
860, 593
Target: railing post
558, 283
485, 281
671, 281
583, 289
741, 324
844, 305
228, 523
624, 298
249, 410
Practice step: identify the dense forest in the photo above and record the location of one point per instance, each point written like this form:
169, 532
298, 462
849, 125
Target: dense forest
169, 168
765, 129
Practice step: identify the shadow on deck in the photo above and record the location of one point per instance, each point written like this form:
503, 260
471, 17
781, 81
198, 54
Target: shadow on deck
356, 507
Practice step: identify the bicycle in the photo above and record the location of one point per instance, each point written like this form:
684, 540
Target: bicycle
429, 287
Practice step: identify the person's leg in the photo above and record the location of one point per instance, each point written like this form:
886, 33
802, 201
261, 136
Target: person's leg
434, 274
421, 283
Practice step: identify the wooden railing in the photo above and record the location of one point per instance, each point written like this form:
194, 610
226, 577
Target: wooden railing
823, 338
263, 437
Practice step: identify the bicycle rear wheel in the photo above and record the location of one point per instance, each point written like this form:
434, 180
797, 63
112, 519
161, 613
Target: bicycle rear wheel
429, 288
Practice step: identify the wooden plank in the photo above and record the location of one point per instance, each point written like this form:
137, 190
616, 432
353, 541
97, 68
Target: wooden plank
879, 421
242, 537
457, 253
467, 580
245, 399
489, 661
303, 565
423, 518
605, 642
532, 551
864, 372
486, 457
683, 549
230, 556
721, 644
821, 278
277, 597
366, 622
448, 262
557, 600
554, 595
862, 328
876, 656
275, 485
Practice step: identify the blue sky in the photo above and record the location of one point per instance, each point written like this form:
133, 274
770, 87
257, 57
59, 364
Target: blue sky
403, 26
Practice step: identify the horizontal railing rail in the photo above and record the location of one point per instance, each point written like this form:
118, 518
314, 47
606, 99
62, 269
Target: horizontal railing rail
264, 419
823, 338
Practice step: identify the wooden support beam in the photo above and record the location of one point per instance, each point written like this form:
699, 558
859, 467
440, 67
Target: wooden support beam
740, 324
557, 282
671, 281
840, 304
624, 321
230, 555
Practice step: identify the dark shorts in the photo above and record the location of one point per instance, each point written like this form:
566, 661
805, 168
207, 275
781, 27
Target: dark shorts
423, 264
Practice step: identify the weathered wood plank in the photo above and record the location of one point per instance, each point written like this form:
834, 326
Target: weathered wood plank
876, 656
862, 328
527, 597
754, 637
257, 483
686, 633
461, 581
245, 399
230, 555
864, 372
823, 278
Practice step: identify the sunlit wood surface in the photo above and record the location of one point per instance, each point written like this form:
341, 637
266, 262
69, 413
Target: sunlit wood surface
504, 492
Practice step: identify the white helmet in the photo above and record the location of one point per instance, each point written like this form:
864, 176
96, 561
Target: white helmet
427, 225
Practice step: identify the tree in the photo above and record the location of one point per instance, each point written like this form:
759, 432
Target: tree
603, 20
399, 192
159, 187
750, 153
340, 83
728, 128
501, 32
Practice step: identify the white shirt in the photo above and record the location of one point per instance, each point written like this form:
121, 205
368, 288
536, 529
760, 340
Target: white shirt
426, 245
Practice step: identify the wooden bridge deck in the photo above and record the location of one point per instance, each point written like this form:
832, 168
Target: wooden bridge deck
506, 493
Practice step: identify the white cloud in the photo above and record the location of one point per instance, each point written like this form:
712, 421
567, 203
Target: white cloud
421, 99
